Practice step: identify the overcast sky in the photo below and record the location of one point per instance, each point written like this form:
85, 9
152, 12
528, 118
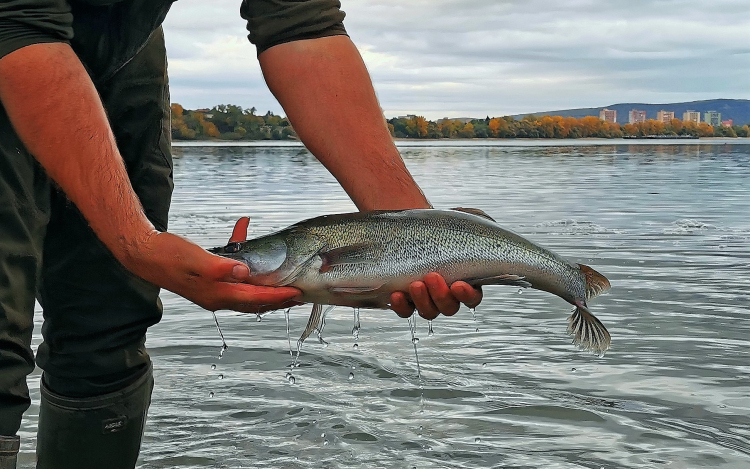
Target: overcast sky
458, 58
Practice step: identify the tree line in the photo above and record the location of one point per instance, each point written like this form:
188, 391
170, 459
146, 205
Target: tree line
230, 122
552, 127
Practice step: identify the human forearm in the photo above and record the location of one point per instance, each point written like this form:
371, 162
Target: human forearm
327, 94
58, 115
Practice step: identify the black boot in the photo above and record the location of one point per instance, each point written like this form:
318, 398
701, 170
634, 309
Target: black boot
9, 451
94, 432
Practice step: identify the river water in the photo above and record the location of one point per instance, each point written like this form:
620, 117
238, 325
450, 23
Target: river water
667, 224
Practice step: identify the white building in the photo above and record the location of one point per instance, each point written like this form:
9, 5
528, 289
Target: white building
608, 115
636, 117
712, 118
691, 116
665, 116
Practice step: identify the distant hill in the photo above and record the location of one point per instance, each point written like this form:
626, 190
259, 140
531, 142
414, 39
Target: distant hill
736, 109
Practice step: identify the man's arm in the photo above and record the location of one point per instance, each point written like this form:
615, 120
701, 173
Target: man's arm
57, 113
328, 97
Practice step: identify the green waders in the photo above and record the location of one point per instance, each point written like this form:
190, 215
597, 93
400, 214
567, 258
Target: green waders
97, 378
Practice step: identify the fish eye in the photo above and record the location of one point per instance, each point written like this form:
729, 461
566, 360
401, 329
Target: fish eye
232, 247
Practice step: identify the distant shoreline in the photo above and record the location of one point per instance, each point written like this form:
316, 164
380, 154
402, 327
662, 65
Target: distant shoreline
233, 123
481, 142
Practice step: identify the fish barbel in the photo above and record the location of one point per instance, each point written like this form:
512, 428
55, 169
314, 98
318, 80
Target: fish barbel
359, 259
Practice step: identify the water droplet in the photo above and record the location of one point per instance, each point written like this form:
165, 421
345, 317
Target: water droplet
355, 346
354, 367
325, 443
722, 406
477, 440
288, 337
476, 330
221, 334
211, 394
322, 435
520, 290
221, 376
421, 428
351, 376
290, 378
572, 369
430, 332
484, 365
258, 317
357, 326
213, 367
415, 340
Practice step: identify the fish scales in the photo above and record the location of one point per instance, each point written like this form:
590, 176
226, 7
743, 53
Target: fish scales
359, 259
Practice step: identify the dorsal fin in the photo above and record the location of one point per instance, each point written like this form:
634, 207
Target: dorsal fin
474, 211
596, 283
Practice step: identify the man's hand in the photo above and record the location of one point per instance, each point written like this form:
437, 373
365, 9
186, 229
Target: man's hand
433, 296
210, 281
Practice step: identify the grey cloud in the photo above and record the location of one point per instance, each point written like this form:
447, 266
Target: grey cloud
453, 57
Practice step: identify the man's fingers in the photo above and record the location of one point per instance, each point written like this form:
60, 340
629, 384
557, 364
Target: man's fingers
467, 294
421, 298
266, 308
400, 305
251, 298
239, 233
441, 295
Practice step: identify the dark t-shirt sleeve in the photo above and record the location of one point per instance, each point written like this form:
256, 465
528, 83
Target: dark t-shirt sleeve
26, 22
273, 22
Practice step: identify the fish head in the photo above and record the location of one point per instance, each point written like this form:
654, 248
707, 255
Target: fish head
273, 260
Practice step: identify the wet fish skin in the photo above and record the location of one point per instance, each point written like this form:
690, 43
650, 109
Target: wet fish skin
359, 259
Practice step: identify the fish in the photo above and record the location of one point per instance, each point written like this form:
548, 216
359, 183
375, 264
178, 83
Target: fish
359, 259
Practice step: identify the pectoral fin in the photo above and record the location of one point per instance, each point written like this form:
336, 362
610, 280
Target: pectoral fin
312, 323
362, 253
505, 279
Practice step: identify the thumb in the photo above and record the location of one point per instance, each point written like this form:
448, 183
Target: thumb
240, 273
228, 270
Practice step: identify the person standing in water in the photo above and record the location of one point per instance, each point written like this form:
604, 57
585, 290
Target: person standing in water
85, 119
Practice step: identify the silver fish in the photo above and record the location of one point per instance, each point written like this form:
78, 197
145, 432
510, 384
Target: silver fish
359, 259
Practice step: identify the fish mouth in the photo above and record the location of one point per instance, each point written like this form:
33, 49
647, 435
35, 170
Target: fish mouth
230, 248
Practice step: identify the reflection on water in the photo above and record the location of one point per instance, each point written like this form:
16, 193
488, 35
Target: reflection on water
667, 224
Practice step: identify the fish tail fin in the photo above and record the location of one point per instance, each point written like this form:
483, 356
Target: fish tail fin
589, 333
596, 283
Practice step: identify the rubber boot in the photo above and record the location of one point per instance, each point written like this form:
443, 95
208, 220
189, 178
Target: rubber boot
95, 432
9, 451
